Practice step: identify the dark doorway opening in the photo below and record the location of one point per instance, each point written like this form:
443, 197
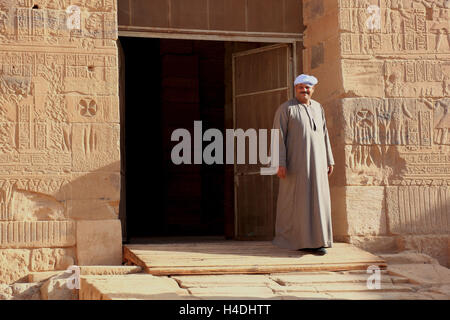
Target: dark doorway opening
169, 84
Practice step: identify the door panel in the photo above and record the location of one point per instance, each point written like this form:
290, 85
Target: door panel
262, 81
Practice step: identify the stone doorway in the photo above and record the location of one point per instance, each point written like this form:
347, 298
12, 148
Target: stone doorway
168, 84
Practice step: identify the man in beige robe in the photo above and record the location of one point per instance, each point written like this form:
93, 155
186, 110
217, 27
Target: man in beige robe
305, 160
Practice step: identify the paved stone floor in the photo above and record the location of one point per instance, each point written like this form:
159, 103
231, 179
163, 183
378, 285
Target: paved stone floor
284, 286
409, 275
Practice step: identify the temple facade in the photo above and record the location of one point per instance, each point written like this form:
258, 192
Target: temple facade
88, 87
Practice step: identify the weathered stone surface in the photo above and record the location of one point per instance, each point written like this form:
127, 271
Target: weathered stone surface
99, 242
345, 287
202, 281
42, 275
365, 210
424, 274
138, 286
296, 295
5, 291
226, 293
109, 270
95, 146
435, 246
46, 259
374, 244
323, 277
14, 264
408, 257
95, 190
26, 291
363, 78
56, 288
376, 295
442, 289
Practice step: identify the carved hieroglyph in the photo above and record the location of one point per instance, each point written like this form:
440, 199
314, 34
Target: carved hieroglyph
399, 138
409, 26
387, 109
396, 141
410, 36
59, 119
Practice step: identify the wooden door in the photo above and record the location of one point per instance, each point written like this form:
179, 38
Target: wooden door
262, 81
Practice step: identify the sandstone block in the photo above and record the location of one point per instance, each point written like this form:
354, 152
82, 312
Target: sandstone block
110, 270
424, 274
374, 244
339, 213
435, 246
408, 257
365, 210
94, 190
41, 275
5, 291
226, 293
13, 264
417, 209
56, 288
363, 78
202, 281
46, 259
26, 291
21, 234
95, 146
138, 286
99, 242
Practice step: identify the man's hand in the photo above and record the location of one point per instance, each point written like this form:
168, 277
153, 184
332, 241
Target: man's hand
281, 172
330, 170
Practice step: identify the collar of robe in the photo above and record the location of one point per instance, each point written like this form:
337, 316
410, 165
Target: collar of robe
311, 119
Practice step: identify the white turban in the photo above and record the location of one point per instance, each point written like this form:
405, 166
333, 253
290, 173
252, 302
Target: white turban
306, 79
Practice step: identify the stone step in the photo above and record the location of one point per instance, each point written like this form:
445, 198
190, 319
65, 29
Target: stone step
344, 287
86, 270
225, 280
424, 274
293, 279
376, 295
134, 286
238, 293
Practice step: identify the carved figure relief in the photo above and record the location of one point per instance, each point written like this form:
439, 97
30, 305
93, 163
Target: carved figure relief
393, 140
414, 78
441, 120
406, 27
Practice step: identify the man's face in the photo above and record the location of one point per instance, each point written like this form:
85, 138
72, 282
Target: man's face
303, 92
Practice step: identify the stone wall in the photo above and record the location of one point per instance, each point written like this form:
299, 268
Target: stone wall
386, 95
59, 135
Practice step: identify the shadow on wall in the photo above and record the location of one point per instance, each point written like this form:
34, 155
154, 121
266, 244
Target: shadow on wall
94, 195
40, 216
374, 203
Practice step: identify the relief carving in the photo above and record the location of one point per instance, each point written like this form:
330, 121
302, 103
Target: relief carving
393, 140
418, 209
30, 198
420, 78
406, 27
441, 119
